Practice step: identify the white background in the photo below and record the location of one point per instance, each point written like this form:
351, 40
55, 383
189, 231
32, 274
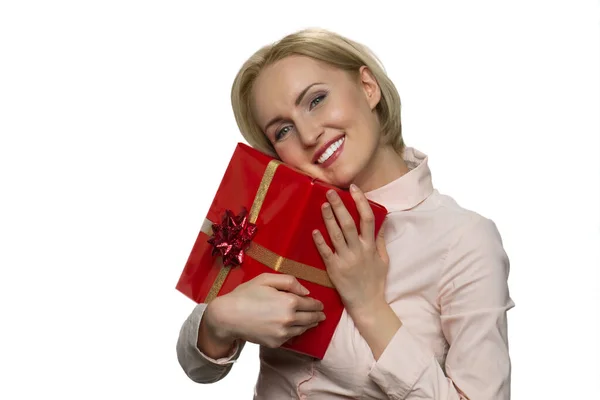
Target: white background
116, 127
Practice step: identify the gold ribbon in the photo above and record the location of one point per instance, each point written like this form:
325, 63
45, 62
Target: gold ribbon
262, 254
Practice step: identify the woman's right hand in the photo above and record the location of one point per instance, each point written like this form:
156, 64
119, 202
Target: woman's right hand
268, 310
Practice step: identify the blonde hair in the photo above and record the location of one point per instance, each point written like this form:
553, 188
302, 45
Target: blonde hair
332, 49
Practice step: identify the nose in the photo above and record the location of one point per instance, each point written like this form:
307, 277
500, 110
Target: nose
309, 133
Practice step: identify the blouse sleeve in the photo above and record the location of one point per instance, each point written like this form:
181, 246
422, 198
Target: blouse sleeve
197, 365
473, 299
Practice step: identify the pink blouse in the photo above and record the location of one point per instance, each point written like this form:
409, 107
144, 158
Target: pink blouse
447, 282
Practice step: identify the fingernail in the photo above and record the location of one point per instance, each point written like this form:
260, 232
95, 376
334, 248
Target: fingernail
353, 188
323, 317
304, 290
331, 194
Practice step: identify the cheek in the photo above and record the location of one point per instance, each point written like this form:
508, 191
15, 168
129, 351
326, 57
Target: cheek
291, 154
294, 156
348, 112
343, 115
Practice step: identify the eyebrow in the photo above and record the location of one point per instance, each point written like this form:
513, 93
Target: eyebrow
297, 103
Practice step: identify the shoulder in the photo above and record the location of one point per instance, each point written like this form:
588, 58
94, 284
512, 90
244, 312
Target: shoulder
474, 255
458, 225
470, 230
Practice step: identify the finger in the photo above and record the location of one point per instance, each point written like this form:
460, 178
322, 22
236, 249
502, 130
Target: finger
293, 303
335, 233
294, 331
367, 218
308, 304
346, 223
324, 250
380, 245
304, 318
284, 282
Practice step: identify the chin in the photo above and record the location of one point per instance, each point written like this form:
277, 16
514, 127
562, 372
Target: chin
341, 180
338, 184
339, 177
342, 183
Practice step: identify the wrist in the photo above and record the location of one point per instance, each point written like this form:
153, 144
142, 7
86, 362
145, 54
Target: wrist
368, 314
214, 339
215, 318
377, 324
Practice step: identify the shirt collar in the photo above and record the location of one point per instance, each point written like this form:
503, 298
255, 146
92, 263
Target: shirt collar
410, 189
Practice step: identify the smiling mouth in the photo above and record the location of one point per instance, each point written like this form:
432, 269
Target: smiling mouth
330, 151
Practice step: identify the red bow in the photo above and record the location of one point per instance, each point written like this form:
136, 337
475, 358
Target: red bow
232, 237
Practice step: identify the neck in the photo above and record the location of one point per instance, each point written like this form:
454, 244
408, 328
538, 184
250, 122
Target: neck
386, 166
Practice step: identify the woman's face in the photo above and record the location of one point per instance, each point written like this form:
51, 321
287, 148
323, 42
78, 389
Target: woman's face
320, 119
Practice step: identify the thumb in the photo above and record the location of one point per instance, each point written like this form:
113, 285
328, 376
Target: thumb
380, 245
284, 282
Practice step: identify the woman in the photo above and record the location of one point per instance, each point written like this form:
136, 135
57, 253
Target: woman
425, 301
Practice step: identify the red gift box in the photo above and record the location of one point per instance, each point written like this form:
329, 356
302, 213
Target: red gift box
283, 208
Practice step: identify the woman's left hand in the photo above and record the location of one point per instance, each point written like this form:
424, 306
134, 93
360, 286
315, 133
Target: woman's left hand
358, 267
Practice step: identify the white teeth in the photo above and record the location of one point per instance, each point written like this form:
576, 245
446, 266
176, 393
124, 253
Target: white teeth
330, 150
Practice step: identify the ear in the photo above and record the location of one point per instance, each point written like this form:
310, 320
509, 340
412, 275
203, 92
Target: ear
370, 86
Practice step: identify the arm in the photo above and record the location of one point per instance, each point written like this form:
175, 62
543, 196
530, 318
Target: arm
197, 365
473, 299
267, 310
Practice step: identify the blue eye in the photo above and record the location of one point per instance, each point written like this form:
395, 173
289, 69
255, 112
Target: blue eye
282, 132
317, 100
